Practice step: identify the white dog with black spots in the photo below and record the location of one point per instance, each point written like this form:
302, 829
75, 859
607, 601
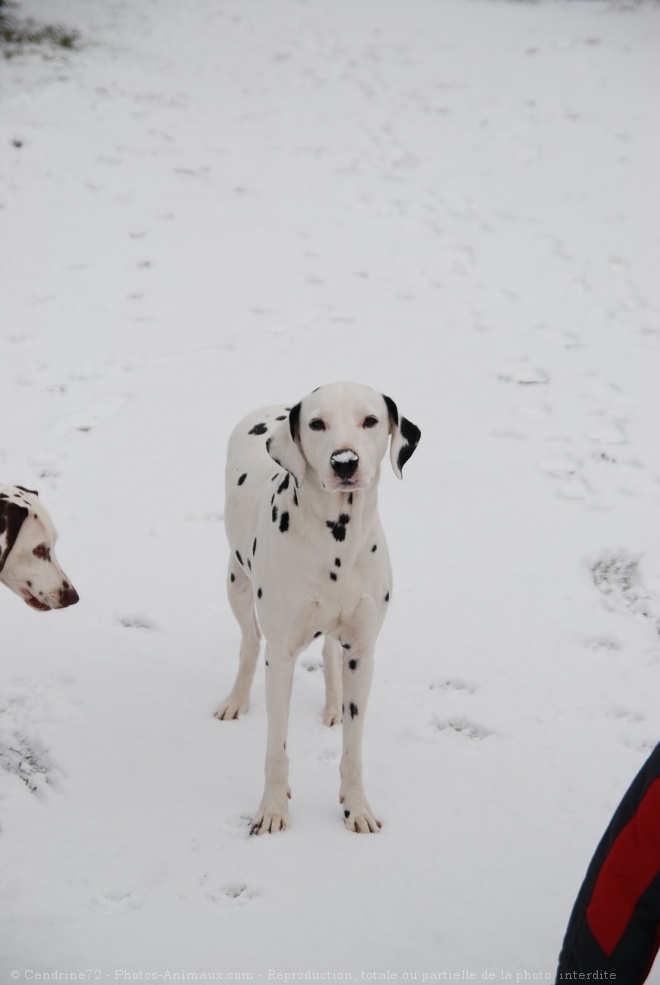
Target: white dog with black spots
308, 559
28, 565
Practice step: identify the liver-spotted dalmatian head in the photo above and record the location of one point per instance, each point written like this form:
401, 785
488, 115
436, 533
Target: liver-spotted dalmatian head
340, 432
27, 552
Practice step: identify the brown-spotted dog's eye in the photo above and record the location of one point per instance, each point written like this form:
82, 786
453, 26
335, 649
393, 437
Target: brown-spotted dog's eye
42, 552
317, 424
370, 422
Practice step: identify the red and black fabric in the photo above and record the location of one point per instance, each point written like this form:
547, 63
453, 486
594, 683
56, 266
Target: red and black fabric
614, 928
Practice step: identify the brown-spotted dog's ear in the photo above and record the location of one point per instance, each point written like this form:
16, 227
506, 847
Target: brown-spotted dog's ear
11, 519
284, 446
405, 438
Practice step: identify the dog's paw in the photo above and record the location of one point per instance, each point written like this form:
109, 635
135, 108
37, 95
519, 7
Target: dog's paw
273, 814
232, 708
269, 821
332, 716
359, 817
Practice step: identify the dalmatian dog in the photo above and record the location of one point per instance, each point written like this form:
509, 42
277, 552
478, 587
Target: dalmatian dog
309, 558
27, 552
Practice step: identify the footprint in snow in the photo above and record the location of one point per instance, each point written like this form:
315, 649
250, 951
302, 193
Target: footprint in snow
99, 410
462, 727
25, 759
523, 374
626, 715
618, 578
22, 753
235, 894
607, 432
118, 901
602, 644
452, 684
137, 621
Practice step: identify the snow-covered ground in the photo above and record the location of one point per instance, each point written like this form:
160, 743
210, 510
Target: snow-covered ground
215, 205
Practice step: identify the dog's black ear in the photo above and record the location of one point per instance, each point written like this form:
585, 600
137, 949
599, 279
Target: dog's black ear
12, 516
405, 437
284, 446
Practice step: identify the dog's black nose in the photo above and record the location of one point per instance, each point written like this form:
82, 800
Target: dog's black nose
68, 596
344, 463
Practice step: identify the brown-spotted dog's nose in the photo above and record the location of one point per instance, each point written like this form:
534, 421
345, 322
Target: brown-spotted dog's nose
68, 595
344, 463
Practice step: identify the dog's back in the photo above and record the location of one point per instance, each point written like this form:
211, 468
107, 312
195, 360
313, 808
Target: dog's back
249, 470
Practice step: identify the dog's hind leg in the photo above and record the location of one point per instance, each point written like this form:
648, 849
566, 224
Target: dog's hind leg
332, 661
239, 592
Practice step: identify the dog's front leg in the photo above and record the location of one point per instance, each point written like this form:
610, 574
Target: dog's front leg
273, 814
357, 674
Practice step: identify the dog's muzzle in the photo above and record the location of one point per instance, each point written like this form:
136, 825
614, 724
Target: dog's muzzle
344, 463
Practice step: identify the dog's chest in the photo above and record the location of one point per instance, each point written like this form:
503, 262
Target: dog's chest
336, 547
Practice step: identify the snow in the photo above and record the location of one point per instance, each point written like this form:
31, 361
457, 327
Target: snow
213, 206
343, 457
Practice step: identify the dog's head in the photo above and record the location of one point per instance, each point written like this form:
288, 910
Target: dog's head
340, 432
28, 565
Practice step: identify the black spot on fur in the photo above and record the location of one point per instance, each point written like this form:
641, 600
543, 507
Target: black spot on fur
338, 562
387, 597
294, 421
282, 417
392, 409
338, 527
258, 429
295, 498
412, 434
254, 547
240, 559
350, 499
232, 577
333, 576
374, 548
318, 634
273, 477
353, 664
353, 709
12, 516
347, 813
284, 523
241, 479
249, 564
274, 514
284, 484
267, 664
259, 593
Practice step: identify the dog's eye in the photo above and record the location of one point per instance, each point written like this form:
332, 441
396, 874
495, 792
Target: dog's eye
317, 424
370, 422
42, 552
